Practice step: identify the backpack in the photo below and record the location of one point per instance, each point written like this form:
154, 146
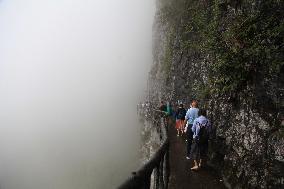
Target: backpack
181, 113
203, 134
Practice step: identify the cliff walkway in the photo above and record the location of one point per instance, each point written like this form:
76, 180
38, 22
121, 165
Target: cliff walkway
181, 175
169, 169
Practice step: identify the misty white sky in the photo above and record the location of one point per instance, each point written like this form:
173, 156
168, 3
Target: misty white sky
71, 73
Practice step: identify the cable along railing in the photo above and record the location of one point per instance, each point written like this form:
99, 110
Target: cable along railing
155, 173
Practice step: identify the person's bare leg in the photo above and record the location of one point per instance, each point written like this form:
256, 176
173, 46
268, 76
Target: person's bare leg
195, 167
182, 127
200, 163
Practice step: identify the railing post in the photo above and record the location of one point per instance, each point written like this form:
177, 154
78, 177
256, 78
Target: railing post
157, 177
167, 169
147, 184
161, 180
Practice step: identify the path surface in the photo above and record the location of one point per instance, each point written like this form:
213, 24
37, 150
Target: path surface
181, 175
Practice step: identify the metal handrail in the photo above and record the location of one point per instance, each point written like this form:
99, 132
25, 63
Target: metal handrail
157, 165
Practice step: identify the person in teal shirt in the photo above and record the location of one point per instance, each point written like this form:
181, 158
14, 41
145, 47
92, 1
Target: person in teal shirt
169, 109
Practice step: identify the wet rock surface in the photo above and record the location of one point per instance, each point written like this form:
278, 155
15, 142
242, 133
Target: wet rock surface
150, 140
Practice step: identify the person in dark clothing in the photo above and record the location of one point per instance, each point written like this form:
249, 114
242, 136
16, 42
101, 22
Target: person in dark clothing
180, 117
163, 109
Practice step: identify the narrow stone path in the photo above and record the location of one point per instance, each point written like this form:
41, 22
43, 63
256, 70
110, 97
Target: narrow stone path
181, 175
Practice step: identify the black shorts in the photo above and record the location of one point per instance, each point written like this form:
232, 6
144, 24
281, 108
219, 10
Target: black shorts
195, 150
199, 149
203, 146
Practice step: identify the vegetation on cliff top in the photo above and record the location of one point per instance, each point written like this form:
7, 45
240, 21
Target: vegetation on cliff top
245, 41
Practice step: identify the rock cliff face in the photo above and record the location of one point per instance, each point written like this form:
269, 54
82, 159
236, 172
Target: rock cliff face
228, 54
150, 140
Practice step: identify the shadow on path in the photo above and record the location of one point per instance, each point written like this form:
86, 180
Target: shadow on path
181, 175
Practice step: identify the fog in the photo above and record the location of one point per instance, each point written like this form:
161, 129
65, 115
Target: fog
71, 74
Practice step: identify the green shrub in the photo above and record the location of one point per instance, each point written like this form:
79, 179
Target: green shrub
245, 40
